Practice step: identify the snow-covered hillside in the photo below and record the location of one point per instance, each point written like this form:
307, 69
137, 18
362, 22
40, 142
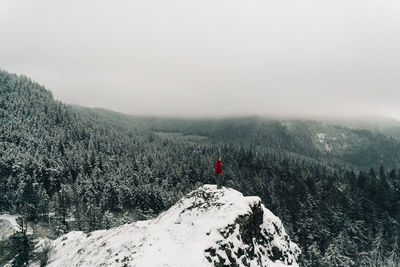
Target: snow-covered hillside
208, 227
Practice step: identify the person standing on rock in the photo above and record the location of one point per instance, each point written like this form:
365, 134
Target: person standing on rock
218, 173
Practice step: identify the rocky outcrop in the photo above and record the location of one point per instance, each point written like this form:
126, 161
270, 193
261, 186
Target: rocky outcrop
207, 227
254, 239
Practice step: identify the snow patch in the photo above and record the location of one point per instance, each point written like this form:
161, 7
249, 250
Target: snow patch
321, 139
8, 225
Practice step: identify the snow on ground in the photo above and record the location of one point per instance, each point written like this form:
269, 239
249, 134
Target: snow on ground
178, 237
328, 147
321, 139
40, 244
8, 225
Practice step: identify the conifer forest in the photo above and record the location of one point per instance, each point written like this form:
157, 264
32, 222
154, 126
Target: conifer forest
335, 186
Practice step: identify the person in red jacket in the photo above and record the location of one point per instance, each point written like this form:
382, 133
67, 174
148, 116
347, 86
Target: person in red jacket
219, 175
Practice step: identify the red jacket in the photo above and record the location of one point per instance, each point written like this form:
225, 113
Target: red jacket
218, 168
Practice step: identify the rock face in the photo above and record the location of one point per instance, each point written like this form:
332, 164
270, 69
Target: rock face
208, 227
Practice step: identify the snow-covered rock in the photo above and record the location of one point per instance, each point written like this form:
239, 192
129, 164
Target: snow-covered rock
207, 227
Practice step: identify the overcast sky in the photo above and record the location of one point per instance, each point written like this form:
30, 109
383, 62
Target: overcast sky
209, 57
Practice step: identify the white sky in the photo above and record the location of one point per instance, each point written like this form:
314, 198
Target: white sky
210, 57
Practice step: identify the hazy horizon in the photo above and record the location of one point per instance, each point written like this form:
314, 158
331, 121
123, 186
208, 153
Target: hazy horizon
331, 59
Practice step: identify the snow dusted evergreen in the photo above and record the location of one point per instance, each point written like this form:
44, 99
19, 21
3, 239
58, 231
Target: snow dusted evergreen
207, 227
66, 168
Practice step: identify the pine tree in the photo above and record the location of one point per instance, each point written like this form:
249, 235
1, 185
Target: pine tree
364, 259
22, 246
333, 257
377, 252
393, 260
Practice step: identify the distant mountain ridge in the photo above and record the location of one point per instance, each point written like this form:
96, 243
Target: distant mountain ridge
207, 227
330, 142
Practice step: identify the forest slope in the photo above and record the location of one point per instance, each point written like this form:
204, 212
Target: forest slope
74, 168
